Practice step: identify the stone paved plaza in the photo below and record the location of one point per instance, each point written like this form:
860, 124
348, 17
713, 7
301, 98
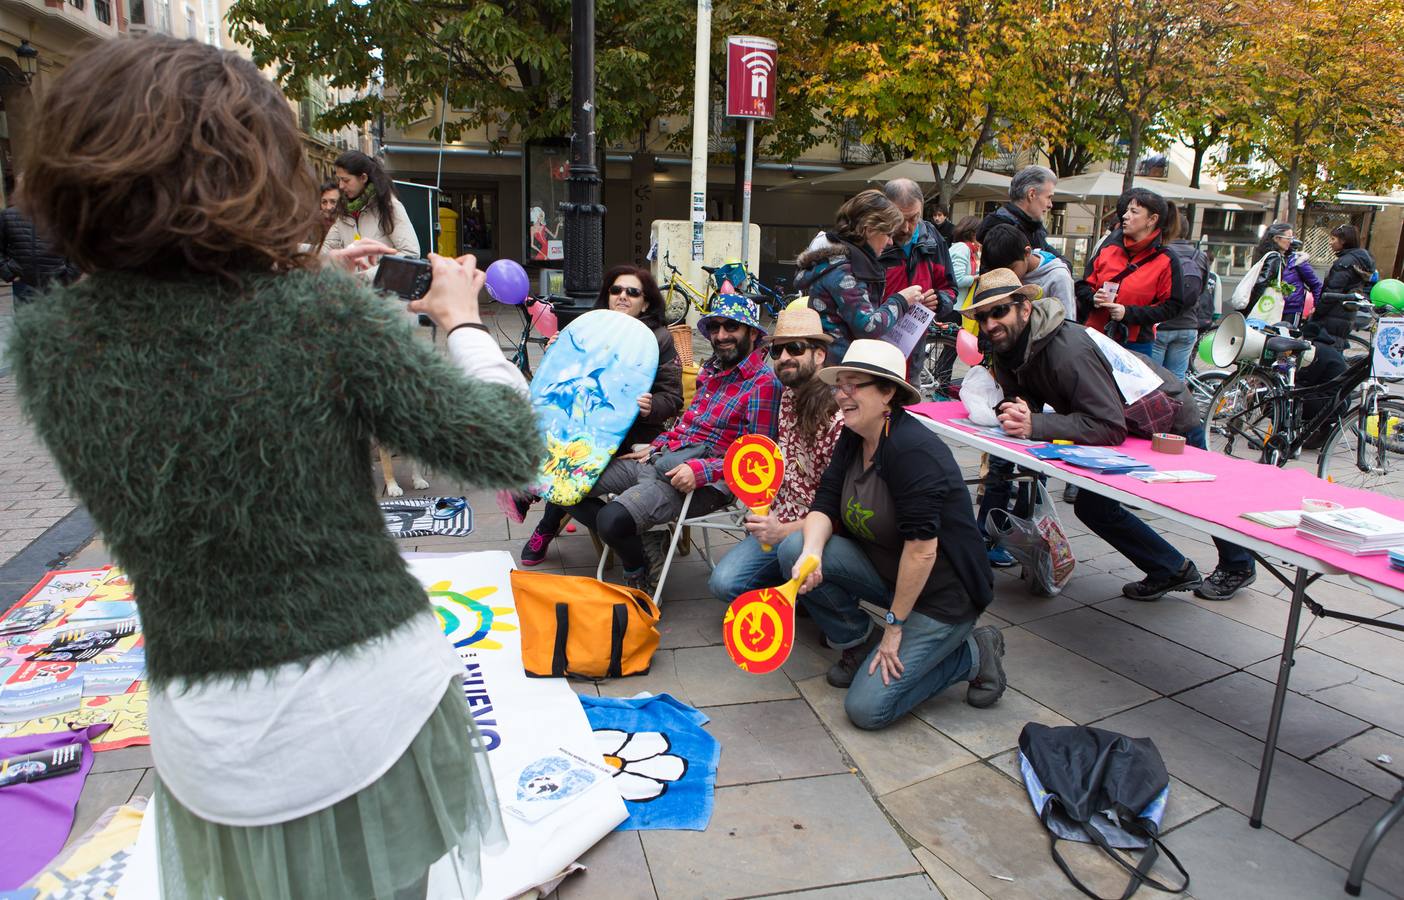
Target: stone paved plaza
807, 805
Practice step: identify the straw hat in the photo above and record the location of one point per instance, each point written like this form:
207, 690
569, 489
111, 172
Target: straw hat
799, 323
999, 286
879, 358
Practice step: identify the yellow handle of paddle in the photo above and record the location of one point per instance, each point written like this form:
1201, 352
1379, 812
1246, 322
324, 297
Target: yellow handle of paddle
807, 567
763, 511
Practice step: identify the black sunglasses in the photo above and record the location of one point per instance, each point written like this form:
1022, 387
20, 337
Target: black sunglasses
997, 312
616, 289
724, 325
794, 348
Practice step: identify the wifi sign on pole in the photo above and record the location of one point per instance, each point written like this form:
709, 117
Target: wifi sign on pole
750, 77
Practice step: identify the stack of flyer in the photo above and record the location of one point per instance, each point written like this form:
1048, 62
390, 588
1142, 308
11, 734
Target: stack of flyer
1358, 531
1396, 558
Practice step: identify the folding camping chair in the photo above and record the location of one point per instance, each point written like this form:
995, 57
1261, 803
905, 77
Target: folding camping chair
728, 518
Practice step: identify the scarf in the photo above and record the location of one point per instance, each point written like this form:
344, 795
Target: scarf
355, 205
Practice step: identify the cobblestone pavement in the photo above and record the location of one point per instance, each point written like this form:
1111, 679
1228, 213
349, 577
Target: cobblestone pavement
809, 806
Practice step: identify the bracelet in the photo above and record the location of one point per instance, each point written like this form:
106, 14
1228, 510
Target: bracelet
478, 325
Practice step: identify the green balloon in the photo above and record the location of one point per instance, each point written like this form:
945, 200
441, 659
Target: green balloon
1206, 348
1388, 292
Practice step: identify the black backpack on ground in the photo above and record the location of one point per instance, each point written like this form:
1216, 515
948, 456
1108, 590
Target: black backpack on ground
1096, 786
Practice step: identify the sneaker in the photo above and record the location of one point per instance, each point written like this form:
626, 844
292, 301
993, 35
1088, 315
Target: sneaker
1070, 493
514, 504
989, 683
655, 545
1000, 558
639, 579
1224, 583
535, 550
1152, 588
842, 673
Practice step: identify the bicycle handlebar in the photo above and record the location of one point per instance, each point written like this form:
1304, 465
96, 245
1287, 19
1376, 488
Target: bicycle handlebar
1329, 295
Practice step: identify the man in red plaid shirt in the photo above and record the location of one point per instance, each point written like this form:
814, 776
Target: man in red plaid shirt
737, 393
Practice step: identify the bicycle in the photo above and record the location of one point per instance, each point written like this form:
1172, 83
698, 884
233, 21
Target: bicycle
934, 370
1259, 412
679, 294
520, 349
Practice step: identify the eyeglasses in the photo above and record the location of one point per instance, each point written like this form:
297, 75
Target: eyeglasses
994, 312
723, 325
849, 388
795, 348
616, 289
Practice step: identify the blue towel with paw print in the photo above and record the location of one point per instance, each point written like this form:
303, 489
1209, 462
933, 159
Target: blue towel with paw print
664, 761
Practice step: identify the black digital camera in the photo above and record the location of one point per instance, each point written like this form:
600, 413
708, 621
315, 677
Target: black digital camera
407, 276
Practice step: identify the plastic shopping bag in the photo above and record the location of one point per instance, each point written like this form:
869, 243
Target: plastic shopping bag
1038, 543
1243, 294
980, 394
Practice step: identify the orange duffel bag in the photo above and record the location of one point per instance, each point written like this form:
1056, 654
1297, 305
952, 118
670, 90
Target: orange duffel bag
582, 627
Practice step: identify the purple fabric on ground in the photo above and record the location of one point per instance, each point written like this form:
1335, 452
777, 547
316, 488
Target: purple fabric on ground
38, 815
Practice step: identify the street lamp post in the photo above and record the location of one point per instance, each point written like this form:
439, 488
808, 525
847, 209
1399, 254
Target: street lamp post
28, 59
583, 212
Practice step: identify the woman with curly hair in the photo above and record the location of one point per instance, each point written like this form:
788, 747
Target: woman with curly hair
307, 717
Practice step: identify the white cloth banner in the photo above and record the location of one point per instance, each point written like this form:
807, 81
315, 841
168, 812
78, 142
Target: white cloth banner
1133, 377
543, 754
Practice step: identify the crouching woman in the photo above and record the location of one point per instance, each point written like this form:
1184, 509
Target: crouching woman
892, 524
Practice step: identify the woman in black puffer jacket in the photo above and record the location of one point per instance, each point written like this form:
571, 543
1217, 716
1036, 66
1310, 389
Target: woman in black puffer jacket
27, 261
1351, 273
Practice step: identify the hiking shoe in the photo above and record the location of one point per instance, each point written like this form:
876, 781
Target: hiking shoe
989, 683
1224, 583
655, 546
639, 579
1000, 558
535, 550
1153, 588
842, 673
1070, 493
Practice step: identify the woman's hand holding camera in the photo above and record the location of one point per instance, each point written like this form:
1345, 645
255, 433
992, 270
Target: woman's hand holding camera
452, 299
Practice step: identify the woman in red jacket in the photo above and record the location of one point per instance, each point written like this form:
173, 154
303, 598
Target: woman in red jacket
1135, 283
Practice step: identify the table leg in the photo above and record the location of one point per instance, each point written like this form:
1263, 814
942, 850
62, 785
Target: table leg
1284, 671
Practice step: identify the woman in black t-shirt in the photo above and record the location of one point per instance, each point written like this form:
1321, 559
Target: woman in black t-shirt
892, 524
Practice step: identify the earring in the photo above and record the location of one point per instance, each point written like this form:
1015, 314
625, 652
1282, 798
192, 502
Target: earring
886, 421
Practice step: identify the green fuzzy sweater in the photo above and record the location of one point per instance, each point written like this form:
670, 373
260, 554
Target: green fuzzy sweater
220, 437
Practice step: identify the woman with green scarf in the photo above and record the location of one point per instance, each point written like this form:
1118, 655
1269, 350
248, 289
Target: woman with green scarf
369, 209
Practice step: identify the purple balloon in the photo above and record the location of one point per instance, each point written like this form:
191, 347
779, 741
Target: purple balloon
507, 282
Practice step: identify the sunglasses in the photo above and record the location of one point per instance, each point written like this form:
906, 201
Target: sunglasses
724, 325
994, 312
616, 289
795, 348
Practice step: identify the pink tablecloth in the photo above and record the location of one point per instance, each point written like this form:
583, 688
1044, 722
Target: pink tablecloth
1241, 486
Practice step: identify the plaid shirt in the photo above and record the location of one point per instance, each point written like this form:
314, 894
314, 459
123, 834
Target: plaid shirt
729, 403
806, 458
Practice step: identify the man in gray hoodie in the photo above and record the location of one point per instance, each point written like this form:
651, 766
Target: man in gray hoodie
1007, 247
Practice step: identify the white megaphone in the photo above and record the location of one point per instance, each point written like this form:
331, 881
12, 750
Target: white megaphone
1235, 341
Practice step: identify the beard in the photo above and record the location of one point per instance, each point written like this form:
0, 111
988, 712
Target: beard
793, 374
730, 351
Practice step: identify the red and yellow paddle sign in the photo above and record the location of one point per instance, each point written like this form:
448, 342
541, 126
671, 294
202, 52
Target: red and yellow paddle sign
753, 469
759, 628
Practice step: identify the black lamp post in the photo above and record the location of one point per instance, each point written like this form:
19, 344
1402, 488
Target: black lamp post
583, 212
28, 59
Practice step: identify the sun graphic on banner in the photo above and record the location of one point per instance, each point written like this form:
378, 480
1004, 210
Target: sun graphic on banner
465, 619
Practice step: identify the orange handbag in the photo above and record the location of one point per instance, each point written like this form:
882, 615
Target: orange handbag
578, 626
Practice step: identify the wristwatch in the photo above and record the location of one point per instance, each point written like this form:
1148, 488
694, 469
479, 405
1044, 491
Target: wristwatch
893, 620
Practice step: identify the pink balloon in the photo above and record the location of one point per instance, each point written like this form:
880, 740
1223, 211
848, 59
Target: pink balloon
543, 318
968, 348
507, 282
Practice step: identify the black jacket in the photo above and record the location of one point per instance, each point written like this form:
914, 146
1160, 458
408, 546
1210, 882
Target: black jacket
931, 500
26, 257
1349, 274
1063, 368
1009, 214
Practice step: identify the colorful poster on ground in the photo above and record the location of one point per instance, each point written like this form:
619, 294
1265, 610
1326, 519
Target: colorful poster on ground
558, 799
72, 653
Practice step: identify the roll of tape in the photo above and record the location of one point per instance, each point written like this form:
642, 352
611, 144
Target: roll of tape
1167, 443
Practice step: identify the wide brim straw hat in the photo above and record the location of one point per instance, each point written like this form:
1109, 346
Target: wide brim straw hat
998, 286
799, 323
877, 358
735, 307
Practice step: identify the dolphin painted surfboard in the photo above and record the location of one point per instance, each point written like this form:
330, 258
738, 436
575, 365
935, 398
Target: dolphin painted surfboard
585, 393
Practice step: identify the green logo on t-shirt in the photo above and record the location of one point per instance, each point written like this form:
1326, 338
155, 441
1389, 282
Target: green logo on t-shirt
855, 519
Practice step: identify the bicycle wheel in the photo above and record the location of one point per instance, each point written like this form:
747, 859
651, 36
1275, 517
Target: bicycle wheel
1366, 449
1241, 417
675, 303
934, 374
1202, 386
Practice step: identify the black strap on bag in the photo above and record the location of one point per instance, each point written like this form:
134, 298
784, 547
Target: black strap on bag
618, 626
558, 655
1140, 873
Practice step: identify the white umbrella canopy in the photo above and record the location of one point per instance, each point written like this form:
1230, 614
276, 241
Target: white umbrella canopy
982, 184
1096, 186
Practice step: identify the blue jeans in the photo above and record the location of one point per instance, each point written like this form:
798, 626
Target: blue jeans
934, 654
1142, 347
1141, 544
746, 567
1173, 347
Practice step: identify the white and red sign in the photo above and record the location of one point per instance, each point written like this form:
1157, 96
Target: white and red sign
750, 77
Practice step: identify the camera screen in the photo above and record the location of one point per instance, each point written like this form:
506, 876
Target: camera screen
398, 274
